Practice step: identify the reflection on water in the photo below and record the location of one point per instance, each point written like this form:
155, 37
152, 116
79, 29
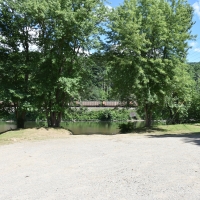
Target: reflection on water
5, 126
88, 128
77, 128
84, 128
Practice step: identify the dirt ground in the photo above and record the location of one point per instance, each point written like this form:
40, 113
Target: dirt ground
99, 167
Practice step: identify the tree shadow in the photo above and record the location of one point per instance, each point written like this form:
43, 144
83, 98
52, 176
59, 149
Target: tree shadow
96, 133
3, 132
143, 130
192, 137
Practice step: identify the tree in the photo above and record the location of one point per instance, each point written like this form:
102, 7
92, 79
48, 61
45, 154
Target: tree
179, 98
194, 110
148, 48
51, 75
17, 59
66, 32
99, 84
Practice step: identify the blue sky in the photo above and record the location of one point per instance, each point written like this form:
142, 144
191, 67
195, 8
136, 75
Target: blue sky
194, 52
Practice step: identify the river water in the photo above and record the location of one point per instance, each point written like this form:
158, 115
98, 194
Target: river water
77, 128
5, 126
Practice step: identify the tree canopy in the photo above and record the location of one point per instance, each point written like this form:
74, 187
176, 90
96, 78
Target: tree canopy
60, 33
51, 53
148, 48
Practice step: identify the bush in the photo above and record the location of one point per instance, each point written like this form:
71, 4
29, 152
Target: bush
84, 114
106, 115
126, 128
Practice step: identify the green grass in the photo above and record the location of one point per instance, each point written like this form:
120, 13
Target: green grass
11, 136
170, 129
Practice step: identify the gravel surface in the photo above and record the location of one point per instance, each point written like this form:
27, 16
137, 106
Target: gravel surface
97, 167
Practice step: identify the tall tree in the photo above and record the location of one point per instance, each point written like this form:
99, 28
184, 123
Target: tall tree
99, 85
147, 48
17, 58
45, 46
194, 109
67, 31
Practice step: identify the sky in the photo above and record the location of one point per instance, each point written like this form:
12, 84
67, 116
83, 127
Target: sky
194, 52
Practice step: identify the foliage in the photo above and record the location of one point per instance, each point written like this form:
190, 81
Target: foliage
44, 46
194, 109
71, 29
148, 48
127, 128
99, 83
83, 114
180, 98
17, 59
45, 59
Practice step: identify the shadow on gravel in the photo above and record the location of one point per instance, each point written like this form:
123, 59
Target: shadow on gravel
147, 130
96, 133
193, 138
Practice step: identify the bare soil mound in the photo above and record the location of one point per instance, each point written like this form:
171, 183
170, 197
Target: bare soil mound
33, 134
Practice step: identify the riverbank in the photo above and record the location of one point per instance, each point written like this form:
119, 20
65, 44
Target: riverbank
35, 134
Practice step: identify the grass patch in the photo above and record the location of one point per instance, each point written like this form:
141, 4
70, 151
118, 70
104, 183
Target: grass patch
169, 129
32, 134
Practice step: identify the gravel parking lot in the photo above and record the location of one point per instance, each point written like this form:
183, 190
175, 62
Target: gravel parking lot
99, 167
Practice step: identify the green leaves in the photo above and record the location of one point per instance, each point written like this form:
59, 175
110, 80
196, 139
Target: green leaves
44, 46
148, 47
45, 62
70, 86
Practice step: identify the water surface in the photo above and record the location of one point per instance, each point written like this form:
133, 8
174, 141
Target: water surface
84, 128
77, 128
5, 126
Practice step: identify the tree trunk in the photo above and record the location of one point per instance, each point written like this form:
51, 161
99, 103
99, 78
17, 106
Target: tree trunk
173, 116
176, 118
148, 115
54, 119
170, 119
20, 120
20, 123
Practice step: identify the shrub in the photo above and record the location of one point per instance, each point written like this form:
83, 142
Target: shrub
83, 114
125, 128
